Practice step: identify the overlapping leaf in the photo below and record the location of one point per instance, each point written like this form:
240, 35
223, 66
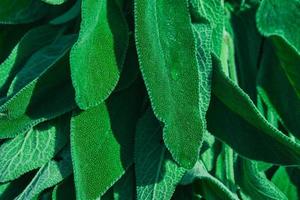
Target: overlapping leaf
167, 57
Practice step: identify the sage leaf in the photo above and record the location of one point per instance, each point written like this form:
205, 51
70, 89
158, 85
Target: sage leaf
156, 176
93, 77
33, 149
230, 104
255, 184
50, 174
21, 11
167, 57
199, 172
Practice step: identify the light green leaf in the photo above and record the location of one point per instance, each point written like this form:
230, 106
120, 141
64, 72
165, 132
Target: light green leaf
94, 77
10, 190
49, 175
213, 12
167, 57
32, 149
54, 2
156, 173
282, 180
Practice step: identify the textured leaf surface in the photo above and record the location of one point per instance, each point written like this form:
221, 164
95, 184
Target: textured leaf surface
33, 149
276, 19
213, 12
156, 173
255, 183
276, 90
281, 179
53, 88
31, 42
199, 172
49, 175
112, 135
167, 57
93, 76
230, 105
94, 176
23, 85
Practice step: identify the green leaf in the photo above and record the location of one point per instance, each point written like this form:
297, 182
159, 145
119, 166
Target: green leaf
215, 189
64, 189
32, 149
21, 11
49, 175
30, 43
156, 172
282, 180
53, 88
54, 2
10, 190
213, 12
14, 33
112, 135
276, 91
224, 169
245, 34
94, 176
167, 57
124, 189
93, 77
255, 184
276, 19
234, 119
69, 15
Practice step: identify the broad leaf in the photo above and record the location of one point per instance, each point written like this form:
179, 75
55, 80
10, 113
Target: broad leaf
96, 55
66, 188
234, 119
167, 57
213, 188
112, 135
32, 149
156, 172
255, 184
49, 175
276, 19
282, 181
124, 189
